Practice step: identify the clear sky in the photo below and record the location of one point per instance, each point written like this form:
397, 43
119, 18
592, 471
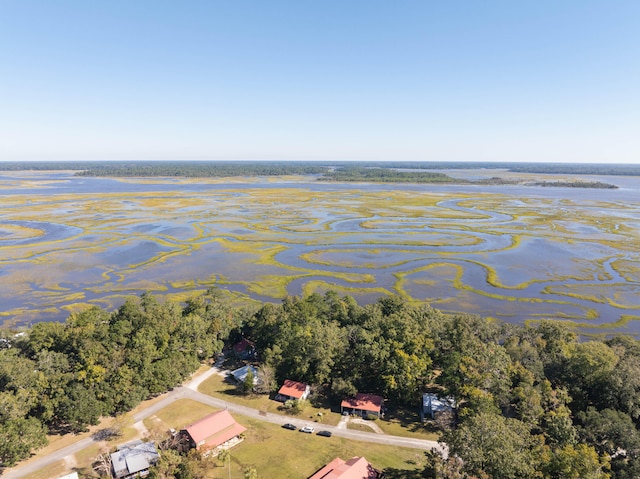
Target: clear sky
510, 80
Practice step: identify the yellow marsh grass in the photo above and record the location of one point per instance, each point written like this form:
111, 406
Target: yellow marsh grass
317, 286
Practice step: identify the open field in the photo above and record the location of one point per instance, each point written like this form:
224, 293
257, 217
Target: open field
403, 423
270, 449
277, 452
515, 253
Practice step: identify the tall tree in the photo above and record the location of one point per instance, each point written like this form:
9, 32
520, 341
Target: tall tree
494, 445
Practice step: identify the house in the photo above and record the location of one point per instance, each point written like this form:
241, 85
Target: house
134, 459
432, 405
363, 404
73, 475
293, 390
217, 430
354, 468
244, 349
240, 374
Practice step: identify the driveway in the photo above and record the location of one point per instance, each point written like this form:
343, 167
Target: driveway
190, 391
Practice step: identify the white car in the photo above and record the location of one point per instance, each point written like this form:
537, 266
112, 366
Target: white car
307, 429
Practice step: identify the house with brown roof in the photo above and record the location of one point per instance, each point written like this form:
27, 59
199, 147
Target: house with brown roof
354, 468
217, 430
293, 390
363, 404
245, 349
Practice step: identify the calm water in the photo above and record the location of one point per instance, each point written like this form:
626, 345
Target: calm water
512, 252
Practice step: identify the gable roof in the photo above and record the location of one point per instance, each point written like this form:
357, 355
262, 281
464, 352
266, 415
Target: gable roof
214, 429
293, 389
433, 403
364, 402
354, 468
240, 374
133, 457
243, 345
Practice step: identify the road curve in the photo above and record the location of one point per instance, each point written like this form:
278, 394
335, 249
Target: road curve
190, 391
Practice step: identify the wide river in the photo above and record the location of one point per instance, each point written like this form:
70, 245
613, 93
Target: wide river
518, 253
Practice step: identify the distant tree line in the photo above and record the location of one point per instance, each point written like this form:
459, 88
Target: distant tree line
270, 168
392, 175
202, 169
387, 175
532, 401
576, 168
575, 184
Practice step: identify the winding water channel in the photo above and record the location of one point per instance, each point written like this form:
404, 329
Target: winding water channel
512, 252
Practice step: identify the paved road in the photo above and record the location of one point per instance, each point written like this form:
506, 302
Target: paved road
190, 391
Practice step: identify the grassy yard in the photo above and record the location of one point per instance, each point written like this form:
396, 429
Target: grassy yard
359, 427
406, 424
402, 423
217, 386
277, 452
177, 415
56, 469
273, 451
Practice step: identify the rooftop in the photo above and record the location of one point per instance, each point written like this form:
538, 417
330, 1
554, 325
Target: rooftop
240, 374
364, 402
214, 429
293, 389
133, 457
354, 468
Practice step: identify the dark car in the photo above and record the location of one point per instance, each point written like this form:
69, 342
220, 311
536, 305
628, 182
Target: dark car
289, 426
325, 433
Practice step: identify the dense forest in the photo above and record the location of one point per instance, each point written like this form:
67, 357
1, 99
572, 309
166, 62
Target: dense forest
271, 168
62, 377
575, 184
386, 175
532, 402
203, 169
190, 169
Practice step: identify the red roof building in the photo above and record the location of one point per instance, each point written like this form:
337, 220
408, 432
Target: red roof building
293, 390
354, 468
215, 430
363, 404
244, 349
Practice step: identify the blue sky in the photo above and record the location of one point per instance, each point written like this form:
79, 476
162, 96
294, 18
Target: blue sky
516, 80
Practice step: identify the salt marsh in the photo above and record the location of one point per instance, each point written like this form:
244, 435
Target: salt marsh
510, 252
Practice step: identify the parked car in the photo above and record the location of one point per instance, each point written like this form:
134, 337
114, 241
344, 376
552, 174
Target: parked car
289, 426
325, 433
307, 429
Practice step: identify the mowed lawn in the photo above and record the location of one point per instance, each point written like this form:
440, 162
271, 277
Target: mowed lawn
277, 452
397, 423
177, 415
218, 387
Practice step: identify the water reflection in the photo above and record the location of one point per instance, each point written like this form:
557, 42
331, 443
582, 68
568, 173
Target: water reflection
513, 252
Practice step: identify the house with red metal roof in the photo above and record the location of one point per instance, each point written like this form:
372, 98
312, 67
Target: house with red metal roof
217, 430
293, 390
354, 468
363, 404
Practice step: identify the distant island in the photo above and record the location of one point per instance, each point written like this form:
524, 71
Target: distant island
574, 184
389, 175
357, 171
